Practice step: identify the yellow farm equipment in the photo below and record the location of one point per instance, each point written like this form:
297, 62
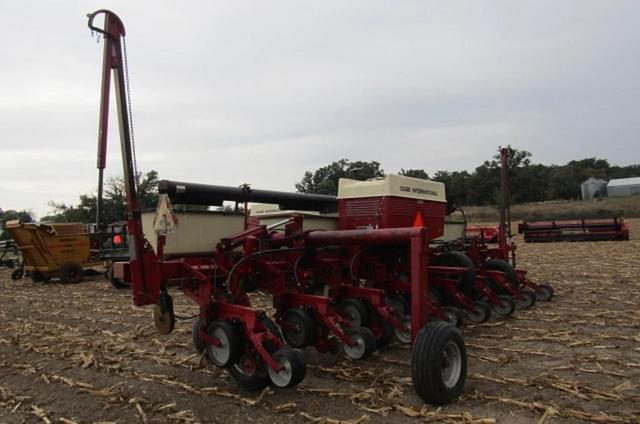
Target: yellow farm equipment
53, 250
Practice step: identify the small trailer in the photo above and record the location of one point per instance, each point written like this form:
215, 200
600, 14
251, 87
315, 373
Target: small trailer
52, 250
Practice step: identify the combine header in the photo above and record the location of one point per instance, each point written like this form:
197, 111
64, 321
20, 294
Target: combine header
354, 313
601, 229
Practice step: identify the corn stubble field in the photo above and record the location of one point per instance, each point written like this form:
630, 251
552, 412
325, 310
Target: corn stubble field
84, 353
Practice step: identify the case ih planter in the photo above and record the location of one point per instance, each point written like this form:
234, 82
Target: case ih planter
240, 337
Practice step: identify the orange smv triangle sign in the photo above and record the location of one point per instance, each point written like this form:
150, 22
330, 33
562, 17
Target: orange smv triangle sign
417, 222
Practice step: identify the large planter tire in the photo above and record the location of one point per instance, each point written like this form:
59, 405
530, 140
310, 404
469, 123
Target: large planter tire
457, 259
504, 267
439, 363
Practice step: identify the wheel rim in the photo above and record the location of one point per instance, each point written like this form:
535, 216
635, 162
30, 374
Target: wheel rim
544, 292
283, 376
358, 349
405, 335
477, 314
451, 364
525, 300
220, 354
295, 332
503, 307
353, 315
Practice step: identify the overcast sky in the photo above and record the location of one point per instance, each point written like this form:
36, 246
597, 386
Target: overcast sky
228, 92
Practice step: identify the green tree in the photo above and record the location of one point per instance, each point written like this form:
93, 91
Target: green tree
456, 186
10, 215
325, 180
114, 202
415, 173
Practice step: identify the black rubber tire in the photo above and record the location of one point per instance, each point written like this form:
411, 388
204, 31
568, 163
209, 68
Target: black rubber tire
234, 340
198, 344
527, 299
504, 267
404, 337
355, 312
116, 282
296, 365
38, 277
71, 273
468, 279
456, 316
388, 332
398, 303
17, 274
544, 292
368, 342
506, 307
252, 383
427, 360
305, 326
436, 296
481, 312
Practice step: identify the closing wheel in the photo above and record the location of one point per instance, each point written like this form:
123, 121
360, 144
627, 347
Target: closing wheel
404, 336
480, 313
299, 329
17, 274
198, 344
387, 333
454, 316
250, 373
71, 272
292, 368
230, 348
526, 299
544, 292
355, 312
364, 343
439, 363
505, 306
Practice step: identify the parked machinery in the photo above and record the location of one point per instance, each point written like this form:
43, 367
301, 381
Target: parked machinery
596, 229
496, 263
52, 250
236, 335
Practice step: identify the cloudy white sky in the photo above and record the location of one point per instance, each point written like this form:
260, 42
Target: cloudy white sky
228, 92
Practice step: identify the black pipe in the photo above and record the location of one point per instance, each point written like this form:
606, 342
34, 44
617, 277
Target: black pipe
212, 195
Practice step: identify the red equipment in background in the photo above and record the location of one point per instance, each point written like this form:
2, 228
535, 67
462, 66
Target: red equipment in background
487, 233
601, 229
236, 335
499, 261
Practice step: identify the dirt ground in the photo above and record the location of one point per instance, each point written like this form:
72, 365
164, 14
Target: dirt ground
84, 353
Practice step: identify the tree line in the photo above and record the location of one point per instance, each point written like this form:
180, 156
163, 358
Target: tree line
529, 182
